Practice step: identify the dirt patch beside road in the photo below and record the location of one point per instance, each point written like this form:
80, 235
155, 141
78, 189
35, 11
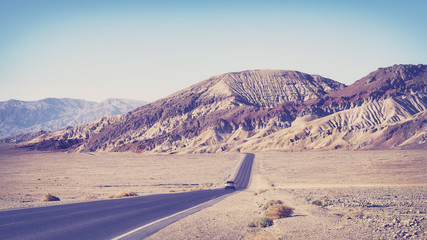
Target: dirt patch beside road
336, 195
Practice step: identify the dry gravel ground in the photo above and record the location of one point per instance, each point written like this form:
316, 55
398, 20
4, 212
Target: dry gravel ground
336, 195
360, 195
26, 176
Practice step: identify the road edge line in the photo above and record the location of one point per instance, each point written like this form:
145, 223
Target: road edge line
166, 218
151, 223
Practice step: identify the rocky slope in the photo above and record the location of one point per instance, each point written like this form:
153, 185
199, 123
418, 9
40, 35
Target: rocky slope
21, 117
267, 110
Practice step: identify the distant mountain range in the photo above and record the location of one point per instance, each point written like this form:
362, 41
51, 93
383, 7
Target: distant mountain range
31, 118
266, 110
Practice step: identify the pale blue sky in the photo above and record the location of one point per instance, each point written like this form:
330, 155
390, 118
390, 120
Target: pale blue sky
146, 50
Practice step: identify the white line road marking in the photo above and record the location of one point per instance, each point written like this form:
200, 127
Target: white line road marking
165, 218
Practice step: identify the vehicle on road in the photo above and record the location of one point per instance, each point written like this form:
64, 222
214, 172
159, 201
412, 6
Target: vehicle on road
230, 185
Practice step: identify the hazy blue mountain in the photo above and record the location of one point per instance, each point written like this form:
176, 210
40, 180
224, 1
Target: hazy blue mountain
17, 117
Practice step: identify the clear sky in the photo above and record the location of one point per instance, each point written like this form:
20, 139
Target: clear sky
147, 50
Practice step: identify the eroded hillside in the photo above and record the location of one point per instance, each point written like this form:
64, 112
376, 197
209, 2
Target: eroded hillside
265, 110
267, 88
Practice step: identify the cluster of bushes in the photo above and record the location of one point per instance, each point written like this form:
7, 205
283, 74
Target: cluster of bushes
123, 194
262, 222
274, 209
49, 197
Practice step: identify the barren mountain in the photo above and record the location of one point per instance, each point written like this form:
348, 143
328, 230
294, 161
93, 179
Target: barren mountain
21, 117
266, 110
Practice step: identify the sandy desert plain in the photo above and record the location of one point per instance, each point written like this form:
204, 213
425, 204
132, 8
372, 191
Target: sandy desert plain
335, 194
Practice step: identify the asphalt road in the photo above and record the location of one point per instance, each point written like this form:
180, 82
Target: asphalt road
108, 219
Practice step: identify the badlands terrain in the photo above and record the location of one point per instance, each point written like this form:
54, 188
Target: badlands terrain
335, 194
262, 110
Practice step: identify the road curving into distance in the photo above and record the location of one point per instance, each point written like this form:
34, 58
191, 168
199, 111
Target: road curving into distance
128, 218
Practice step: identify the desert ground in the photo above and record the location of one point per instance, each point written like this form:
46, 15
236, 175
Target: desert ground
26, 176
335, 194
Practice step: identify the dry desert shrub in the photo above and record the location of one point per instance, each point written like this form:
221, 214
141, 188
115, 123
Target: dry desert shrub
270, 203
278, 211
319, 201
261, 222
259, 236
274, 209
88, 197
48, 198
354, 213
123, 194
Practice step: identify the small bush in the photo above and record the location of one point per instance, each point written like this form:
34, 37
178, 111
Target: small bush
260, 236
356, 213
123, 194
317, 202
274, 209
321, 201
261, 222
48, 198
270, 203
278, 211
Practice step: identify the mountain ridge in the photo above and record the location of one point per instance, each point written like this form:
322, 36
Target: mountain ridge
20, 117
265, 110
